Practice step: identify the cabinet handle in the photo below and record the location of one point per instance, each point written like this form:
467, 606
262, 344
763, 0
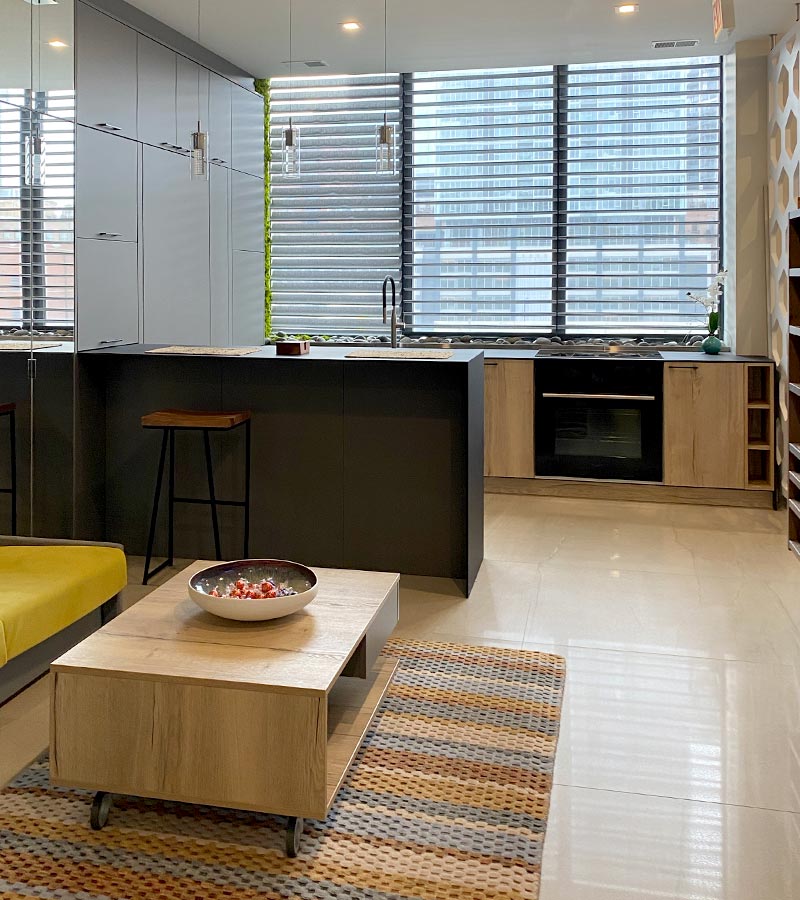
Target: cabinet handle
216, 159
683, 367
489, 363
109, 234
107, 125
647, 397
112, 341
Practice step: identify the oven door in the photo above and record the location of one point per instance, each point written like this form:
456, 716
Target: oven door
599, 436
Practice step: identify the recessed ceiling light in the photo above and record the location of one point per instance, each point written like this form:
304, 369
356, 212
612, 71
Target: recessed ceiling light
627, 9
57, 43
351, 26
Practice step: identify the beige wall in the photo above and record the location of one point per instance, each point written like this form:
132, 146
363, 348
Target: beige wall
746, 99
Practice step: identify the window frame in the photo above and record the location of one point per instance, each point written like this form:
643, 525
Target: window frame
560, 203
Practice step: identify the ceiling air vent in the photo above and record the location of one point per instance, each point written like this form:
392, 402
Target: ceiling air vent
675, 45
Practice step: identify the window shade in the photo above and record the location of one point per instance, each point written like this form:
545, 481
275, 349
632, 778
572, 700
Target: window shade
336, 228
37, 223
479, 203
639, 191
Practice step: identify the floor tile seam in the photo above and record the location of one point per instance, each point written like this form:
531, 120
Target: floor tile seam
657, 796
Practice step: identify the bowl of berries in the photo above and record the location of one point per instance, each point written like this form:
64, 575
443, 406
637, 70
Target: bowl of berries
253, 590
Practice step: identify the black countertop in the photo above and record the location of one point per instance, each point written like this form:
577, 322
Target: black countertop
666, 356
317, 354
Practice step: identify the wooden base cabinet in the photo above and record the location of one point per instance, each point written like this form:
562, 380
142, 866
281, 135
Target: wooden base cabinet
705, 439
509, 424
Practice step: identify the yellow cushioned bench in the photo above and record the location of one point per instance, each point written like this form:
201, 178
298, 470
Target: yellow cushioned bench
45, 589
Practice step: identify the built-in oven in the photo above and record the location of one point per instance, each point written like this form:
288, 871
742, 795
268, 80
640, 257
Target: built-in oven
599, 419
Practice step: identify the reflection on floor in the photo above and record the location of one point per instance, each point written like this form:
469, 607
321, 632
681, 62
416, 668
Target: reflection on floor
678, 770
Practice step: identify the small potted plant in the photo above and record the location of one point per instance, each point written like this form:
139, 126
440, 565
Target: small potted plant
710, 301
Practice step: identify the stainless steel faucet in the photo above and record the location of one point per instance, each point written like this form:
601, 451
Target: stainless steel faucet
386, 281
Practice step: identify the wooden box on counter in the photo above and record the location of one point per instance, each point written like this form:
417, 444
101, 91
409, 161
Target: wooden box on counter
292, 348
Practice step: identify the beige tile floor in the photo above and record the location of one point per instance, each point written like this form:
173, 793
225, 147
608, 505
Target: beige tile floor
678, 770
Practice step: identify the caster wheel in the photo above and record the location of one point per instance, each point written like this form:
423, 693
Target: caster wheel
294, 831
101, 806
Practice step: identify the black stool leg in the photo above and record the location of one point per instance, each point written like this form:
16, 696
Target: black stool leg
154, 516
211, 494
247, 491
12, 426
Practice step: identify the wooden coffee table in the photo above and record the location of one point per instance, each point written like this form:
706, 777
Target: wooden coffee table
170, 702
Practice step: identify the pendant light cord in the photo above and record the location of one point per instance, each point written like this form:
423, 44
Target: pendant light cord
198, 67
291, 64
385, 58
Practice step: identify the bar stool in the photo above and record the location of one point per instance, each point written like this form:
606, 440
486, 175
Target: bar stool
10, 410
170, 421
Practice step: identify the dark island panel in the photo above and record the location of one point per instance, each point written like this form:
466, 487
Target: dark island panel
372, 464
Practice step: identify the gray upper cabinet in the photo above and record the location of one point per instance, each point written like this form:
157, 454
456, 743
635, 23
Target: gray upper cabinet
219, 120
247, 212
175, 239
106, 65
247, 115
191, 100
108, 293
108, 185
157, 94
219, 257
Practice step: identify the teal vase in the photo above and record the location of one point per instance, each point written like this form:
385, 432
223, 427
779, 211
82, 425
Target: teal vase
712, 344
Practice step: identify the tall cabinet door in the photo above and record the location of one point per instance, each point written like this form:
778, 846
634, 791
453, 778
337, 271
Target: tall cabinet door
191, 104
247, 212
108, 293
106, 72
219, 119
219, 259
704, 425
508, 426
108, 180
157, 89
175, 218
247, 117
247, 300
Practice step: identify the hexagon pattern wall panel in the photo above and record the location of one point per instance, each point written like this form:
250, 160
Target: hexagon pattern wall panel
784, 188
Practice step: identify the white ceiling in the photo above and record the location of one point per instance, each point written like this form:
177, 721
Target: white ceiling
448, 34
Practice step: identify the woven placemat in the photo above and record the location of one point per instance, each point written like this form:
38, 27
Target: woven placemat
399, 354
206, 351
447, 799
27, 345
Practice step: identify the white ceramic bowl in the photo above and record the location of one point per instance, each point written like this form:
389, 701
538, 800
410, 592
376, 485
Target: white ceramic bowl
280, 571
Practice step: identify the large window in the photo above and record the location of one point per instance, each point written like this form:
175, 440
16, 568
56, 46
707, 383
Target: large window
336, 228
576, 200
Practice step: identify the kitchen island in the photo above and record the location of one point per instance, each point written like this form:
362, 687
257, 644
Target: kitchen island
356, 463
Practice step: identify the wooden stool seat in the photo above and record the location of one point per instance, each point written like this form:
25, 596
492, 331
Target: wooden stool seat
194, 418
7, 408
171, 421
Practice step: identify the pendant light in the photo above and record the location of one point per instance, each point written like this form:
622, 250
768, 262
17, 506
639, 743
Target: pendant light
198, 156
35, 155
384, 134
290, 151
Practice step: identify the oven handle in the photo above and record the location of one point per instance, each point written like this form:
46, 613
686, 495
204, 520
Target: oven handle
598, 397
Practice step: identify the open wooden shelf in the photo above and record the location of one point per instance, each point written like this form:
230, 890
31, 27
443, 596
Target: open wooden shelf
760, 425
352, 704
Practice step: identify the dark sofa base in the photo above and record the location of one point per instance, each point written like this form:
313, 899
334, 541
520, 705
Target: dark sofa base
24, 669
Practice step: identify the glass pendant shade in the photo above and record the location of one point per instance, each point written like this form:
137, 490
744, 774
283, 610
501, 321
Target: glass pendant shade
198, 157
35, 159
291, 151
384, 145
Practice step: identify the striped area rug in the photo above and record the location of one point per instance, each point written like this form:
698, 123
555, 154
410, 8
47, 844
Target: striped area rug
447, 800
